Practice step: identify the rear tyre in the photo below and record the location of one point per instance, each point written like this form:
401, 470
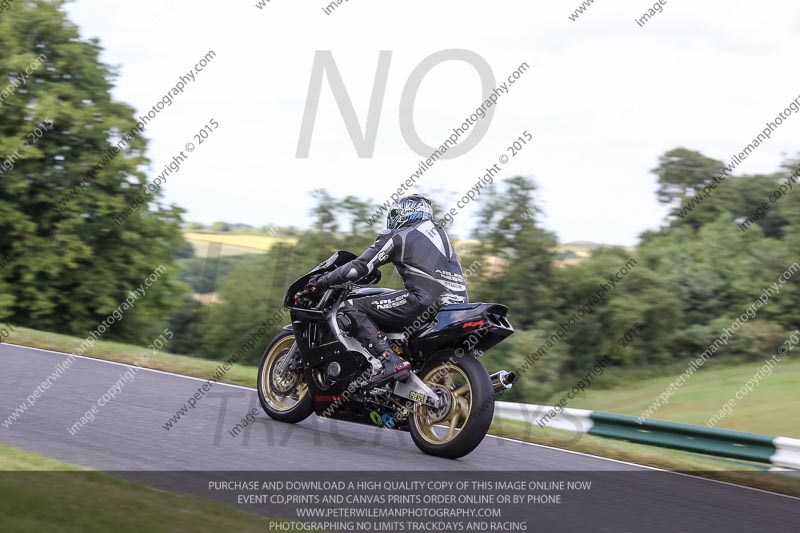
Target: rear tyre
462, 422
284, 398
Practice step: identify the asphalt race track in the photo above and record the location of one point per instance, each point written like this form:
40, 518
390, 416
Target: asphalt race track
128, 435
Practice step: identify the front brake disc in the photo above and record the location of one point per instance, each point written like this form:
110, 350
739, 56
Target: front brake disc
283, 385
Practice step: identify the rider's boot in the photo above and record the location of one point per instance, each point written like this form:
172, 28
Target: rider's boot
393, 366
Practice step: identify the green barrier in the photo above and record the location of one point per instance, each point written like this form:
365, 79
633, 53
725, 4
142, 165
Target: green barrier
782, 452
700, 439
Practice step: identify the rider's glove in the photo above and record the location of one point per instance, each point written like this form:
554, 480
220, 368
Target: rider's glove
315, 284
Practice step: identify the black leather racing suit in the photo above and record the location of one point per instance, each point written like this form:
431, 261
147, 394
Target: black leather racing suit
431, 271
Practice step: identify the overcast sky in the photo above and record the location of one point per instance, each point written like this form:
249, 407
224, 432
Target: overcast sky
603, 98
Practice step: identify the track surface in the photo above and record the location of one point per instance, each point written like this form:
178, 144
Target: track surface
128, 435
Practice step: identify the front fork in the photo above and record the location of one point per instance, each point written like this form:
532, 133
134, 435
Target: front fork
288, 361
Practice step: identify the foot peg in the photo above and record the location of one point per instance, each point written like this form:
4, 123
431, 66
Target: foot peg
393, 368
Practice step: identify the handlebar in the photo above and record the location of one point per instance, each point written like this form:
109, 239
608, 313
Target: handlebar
307, 293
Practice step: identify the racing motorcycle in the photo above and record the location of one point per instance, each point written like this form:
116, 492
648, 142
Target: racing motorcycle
447, 401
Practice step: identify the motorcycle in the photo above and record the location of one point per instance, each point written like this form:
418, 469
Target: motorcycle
446, 403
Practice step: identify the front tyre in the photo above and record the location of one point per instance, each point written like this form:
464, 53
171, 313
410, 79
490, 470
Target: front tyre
461, 423
284, 398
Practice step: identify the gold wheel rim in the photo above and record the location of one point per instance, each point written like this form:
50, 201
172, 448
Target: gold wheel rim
278, 402
453, 382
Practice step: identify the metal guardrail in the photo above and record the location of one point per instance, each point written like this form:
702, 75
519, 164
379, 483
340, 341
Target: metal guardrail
779, 451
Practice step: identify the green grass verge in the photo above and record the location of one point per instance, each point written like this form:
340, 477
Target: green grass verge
772, 408
128, 353
41, 494
720, 469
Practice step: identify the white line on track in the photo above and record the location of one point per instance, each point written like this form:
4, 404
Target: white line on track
645, 467
127, 365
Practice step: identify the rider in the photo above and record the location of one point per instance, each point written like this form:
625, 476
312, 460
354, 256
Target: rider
424, 258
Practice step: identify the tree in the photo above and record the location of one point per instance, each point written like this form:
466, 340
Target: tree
219, 226
325, 212
71, 262
521, 253
748, 195
358, 212
682, 172
249, 295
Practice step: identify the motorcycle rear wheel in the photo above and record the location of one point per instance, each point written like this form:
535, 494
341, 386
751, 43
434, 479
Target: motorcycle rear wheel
462, 422
283, 398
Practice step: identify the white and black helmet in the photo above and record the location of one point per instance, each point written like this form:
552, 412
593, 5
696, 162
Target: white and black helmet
410, 209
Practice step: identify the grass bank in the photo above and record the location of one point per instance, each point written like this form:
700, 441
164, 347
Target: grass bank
41, 494
128, 353
717, 468
772, 408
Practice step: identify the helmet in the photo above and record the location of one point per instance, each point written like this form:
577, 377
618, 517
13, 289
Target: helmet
412, 208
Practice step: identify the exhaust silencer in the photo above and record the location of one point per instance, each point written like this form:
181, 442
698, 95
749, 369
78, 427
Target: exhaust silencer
502, 381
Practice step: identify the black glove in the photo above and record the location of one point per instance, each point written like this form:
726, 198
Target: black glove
311, 287
314, 284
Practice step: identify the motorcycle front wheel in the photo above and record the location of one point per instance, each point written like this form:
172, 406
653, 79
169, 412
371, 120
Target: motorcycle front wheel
283, 397
467, 405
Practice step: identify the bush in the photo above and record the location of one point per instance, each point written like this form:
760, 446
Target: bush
754, 340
